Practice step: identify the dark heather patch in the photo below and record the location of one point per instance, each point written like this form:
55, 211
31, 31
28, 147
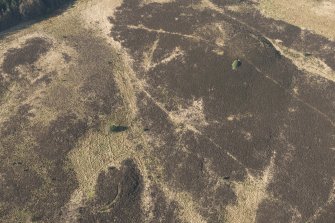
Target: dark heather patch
310, 89
99, 89
292, 36
297, 39
17, 187
222, 3
102, 94
163, 210
156, 17
67, 58
158, 124
190, 78
327, 214
200, 183
28, 54
260, 91
190, 174
53, 143
16, 123
274, 212
186, 170
144, 37
303, 41
3, 87
224, 195
118, 196
56, 140
24, 187
17, 180
220, 162
47, 204
305, 179
202, 69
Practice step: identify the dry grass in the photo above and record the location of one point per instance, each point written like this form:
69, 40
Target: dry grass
97, 152
192, 117
315, 15
99, 19
313, 65
250, 194
188, 212
206, 4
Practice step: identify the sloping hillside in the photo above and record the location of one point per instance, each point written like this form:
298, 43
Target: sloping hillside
188, 111
14, 11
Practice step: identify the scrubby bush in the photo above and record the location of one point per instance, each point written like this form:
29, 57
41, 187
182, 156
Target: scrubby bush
236, 64
8, 5
118, 128
31, 8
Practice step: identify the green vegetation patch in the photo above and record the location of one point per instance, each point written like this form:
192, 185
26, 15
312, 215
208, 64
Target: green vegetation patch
236, 64
8, 5
118, 128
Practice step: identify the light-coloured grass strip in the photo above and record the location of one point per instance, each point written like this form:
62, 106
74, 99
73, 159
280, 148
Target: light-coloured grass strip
250, 193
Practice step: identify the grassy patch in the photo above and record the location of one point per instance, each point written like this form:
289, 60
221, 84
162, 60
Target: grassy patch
314, 15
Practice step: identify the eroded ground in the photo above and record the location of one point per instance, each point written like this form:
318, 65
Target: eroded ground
196, 141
